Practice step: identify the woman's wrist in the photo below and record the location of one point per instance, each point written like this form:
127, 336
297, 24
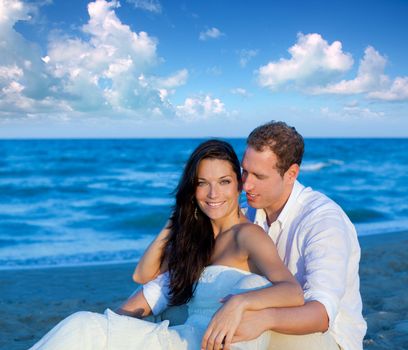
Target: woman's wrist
241, 301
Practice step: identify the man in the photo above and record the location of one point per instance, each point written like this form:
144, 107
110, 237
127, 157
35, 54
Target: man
315, 240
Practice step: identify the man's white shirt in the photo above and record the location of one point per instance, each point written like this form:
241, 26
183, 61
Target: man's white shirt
318, 243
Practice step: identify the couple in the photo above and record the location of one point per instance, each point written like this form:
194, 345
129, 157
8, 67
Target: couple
229, 272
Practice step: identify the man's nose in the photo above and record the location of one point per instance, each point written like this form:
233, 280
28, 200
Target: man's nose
247, 185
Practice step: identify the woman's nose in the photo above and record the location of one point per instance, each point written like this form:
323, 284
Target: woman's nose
213, 192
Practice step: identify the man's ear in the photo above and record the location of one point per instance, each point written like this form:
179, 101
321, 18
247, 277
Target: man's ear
292, 173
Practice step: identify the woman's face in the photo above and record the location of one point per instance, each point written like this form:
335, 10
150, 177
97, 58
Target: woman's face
217, 189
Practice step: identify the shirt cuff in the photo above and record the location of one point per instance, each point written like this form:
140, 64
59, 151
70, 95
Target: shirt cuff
156, 293
326, 301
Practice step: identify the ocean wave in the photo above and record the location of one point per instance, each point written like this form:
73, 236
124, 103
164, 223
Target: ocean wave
365, 215
26, 181
384, 227
25, 192
46, 254
150, 220
17, 228
143, 176
156, 201
316, 166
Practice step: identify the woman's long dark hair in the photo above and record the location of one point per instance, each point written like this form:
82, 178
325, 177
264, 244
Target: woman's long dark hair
190, 245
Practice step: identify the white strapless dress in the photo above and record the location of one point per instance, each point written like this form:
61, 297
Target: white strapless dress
109, 331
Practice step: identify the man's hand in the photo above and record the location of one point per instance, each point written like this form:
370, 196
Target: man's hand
250, 327
224, 324
306, 319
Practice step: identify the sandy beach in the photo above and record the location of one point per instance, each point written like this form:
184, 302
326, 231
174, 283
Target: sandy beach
34, 300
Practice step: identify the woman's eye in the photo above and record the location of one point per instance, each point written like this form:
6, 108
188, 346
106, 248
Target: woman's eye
225, 182
200, 183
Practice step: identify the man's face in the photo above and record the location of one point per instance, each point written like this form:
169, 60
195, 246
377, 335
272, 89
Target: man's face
265, 187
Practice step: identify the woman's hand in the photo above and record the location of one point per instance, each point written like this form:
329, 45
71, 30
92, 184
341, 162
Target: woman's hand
224, 323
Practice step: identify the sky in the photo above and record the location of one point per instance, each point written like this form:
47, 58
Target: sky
155, 68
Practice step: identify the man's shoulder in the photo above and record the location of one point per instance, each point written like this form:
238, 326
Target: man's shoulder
313, 201
315, 206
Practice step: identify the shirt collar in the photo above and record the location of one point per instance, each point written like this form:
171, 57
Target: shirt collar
287, 209
260, 216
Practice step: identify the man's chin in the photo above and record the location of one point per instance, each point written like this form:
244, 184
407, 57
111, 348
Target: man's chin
254, 204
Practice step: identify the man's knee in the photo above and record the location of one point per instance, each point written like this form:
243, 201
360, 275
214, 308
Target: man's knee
315, 341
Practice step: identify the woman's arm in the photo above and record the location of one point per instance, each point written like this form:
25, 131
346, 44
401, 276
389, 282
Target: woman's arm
149, 266
135, 306
284, 292
262, 252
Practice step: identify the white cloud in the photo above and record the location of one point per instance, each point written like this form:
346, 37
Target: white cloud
240, 91
215, 71
175, 80
201, 107
107, 72
212, 33
45, 59
311, 57
102, 72
24, 83
370, 80
12, 11
13, 88
10, 72
245, 56
398, 91
370, 76
110, 36
313, 61
166, 85
352, 112
148, 5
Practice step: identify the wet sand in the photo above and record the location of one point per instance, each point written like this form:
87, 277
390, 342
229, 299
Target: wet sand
32, 301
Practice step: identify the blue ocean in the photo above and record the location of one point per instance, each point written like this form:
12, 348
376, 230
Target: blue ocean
75, 202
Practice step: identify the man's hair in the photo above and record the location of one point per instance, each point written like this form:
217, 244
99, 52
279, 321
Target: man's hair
281, 139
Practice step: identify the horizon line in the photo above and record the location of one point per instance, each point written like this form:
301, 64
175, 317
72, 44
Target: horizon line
182, 138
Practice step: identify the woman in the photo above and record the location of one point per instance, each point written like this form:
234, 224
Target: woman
209, 251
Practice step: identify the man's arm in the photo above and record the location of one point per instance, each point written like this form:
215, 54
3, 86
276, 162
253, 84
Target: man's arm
309, 318
325, 253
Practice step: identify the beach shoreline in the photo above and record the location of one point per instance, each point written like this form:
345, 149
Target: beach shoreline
34, 300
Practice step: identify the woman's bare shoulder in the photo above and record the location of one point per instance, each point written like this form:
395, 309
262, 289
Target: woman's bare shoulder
252, 238
249, 230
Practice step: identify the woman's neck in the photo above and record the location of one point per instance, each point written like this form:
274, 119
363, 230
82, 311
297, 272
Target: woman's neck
224, 224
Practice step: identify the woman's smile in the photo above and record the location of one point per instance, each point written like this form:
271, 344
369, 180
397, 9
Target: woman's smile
215, 205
